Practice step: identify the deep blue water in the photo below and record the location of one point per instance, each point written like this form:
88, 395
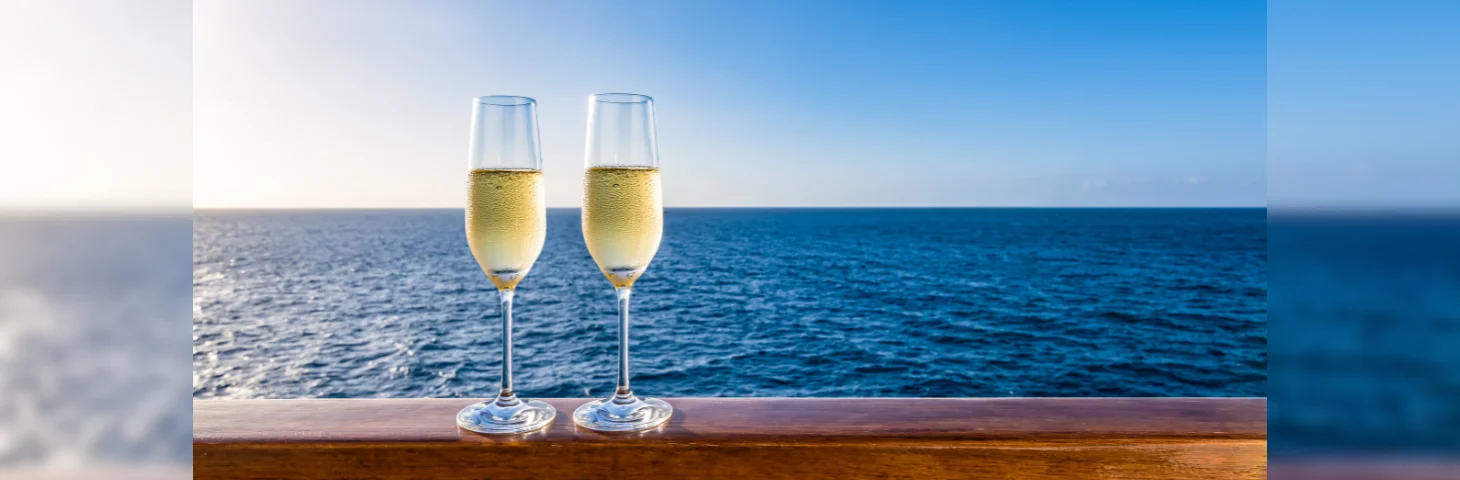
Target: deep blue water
1365, 332
744, 302
1364, 317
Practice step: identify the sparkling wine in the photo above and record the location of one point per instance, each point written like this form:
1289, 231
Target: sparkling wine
623, 220
506, 222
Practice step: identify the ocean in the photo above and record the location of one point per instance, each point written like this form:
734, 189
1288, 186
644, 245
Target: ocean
1364, 316
93, 346
1365, 323
743, 302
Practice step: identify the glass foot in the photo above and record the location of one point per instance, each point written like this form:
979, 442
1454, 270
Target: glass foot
495, 417
623, 415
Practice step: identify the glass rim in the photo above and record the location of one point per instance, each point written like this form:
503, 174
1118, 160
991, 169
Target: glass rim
504, 100
621, 98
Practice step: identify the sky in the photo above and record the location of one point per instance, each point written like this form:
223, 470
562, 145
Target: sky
95, 105
991, 103
276, 103
1364, 103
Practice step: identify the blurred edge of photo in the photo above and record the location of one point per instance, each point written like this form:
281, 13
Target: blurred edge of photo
1364, 240
95, 239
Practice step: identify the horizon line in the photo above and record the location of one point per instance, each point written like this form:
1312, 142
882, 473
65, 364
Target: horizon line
846, 207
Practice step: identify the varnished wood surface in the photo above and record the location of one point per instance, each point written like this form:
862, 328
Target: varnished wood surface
742, 438
750, 419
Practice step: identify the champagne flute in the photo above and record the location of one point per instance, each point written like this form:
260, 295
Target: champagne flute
623, 219
506, 222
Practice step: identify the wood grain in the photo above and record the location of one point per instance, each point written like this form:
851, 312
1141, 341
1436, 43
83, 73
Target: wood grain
751, 437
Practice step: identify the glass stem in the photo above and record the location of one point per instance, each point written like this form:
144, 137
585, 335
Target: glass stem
623, 394
506, 397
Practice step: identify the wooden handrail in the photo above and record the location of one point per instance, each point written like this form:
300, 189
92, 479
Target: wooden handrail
745, 438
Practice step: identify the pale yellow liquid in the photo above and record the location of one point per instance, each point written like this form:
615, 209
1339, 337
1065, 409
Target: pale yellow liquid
506, 221
623, 219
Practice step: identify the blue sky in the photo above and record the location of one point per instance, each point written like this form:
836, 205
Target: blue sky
1364, 103
366, 104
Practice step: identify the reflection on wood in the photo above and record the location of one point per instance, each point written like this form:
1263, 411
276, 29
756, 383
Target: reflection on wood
742, 438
